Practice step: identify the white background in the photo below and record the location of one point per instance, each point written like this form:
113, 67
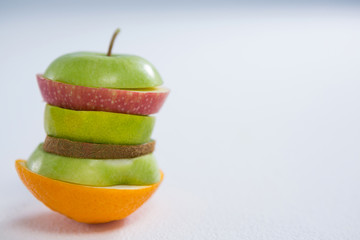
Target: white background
259, 138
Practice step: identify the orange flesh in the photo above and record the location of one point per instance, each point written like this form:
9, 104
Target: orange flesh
85, 203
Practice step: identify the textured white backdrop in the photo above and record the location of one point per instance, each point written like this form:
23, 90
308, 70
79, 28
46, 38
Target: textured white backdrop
259, 138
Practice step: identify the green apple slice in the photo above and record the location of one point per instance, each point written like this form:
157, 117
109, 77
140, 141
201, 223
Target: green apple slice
98, 127
101, 71
93, 172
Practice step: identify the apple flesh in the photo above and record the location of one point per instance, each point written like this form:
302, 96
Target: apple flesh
94, 172
138, 102
99, 70
98, 127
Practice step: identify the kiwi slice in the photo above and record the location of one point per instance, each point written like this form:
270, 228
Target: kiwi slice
74, 149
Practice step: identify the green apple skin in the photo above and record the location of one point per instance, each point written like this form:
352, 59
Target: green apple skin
141, 170
101, 71
98, 127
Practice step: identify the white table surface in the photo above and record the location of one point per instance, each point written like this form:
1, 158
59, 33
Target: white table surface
259, 138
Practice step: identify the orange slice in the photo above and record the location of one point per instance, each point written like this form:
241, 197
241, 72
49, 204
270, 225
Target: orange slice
85, 203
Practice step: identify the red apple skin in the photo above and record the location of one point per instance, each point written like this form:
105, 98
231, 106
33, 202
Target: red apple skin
101, 99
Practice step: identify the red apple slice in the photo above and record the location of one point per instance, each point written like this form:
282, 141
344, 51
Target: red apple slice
138, 102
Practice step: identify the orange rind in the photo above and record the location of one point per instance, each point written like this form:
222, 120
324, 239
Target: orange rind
85, 203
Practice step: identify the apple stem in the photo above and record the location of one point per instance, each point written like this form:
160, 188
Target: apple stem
112, 41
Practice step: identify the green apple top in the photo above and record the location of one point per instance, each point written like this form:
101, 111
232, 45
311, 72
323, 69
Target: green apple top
104, 70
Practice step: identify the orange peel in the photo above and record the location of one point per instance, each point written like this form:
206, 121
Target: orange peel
85, 203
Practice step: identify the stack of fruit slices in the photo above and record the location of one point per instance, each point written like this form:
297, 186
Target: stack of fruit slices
96, 163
